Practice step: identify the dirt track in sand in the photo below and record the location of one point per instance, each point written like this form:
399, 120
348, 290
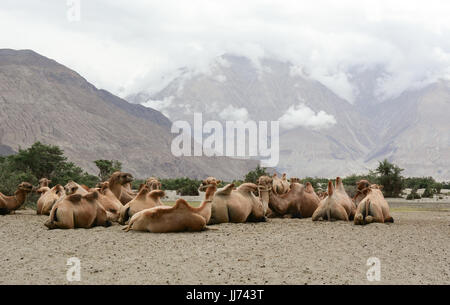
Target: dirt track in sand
413, 250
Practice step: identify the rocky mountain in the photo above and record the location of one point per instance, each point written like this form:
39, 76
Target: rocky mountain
321, 134
42, 100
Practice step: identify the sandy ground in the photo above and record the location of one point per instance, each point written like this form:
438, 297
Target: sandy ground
413, 250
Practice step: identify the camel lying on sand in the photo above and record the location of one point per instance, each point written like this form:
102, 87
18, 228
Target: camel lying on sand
373, 207
153, 183
8, 204
145, 199
118, 183
78, 211
337, 205
109, 201
280, 186
162, 219
48, 198
240, 205
300, 201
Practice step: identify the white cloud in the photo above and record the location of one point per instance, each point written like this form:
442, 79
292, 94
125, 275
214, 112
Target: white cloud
133, 45
232, 113
303, 116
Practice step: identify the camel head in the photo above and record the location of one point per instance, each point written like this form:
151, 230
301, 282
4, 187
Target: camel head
25, 187
121, 178
44, 182
71, 188
283, 177
362, 184
208, 182
58, 189
153, 183
265, 181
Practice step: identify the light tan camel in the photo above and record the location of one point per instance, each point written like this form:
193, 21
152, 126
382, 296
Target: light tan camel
145, 199
153, 183
109, 201
8, 204
361, 186
48, 198
265, 185
74, 188
280, 186
373, 208
78, 211
337, 205
44, 182
300, 202
237, 206
118, 185
163, 219
209, 186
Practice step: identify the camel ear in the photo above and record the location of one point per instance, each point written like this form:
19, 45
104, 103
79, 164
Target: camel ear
380, 187
74, 198
91, 196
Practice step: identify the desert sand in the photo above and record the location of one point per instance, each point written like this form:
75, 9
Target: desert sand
413, 250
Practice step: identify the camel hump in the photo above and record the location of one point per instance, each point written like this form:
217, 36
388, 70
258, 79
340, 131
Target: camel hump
157, 194
248, 187
74, 198
309, 188
182, 204
330, 188
91, 196
226, 190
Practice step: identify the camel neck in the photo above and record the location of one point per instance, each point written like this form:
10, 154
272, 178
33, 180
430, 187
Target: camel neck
210, 191
19, 199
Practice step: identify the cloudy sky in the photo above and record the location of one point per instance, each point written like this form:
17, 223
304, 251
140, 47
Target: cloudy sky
133, 45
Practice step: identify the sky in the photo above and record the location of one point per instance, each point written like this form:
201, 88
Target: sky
139, 45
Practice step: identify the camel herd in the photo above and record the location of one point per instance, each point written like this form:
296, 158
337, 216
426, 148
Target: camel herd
78, 206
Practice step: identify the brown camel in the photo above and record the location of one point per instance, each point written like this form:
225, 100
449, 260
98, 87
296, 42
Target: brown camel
360, 194
300, 201
280, 186
240, 205
373, 207
162, 219
8, 204
78, 211
118, 185
209, 186
48, 198
145, 199
337, 205
153, 183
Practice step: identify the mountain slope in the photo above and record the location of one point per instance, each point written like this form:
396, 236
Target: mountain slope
411, 130
235, 86
41, 100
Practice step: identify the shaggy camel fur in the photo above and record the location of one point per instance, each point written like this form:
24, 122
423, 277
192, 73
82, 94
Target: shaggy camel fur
337, 205
162, 219
8, 204
48, 198
300, 202
373, 208
280, 186
237, 206
118, 184
78, 211
153, 183
145, 199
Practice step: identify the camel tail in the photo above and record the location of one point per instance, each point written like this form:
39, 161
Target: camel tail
367, 208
